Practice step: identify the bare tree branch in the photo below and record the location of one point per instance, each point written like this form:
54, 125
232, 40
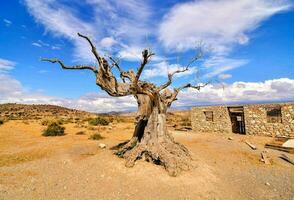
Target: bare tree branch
146, 54
93, 48
115, 63
70, 67
177, 90
186, 68
170, 76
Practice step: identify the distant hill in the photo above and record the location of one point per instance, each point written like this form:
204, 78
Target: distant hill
22, 111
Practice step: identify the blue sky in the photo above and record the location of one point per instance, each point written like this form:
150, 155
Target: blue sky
249, 43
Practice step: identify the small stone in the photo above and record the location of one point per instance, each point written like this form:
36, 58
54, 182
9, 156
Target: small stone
102, 146
230, 138
267, 183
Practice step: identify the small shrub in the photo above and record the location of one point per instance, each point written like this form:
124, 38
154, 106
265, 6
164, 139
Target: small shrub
54, 129
186, 122
98, 121
96, 136
1, 121
47, 122
80, 133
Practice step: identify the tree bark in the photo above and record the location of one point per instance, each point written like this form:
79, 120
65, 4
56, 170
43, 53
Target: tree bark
151, 140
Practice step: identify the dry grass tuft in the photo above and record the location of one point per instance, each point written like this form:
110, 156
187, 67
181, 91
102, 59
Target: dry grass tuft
96, 136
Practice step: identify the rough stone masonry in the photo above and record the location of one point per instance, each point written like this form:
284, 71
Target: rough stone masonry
254, 119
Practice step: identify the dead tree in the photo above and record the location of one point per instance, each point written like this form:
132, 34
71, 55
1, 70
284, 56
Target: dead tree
151, 140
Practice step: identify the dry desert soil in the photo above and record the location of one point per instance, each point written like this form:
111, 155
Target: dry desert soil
74, 167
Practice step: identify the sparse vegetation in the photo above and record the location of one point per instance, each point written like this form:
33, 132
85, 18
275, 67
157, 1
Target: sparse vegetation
47, 122
96, 136
54, 129
98, 121
186, 122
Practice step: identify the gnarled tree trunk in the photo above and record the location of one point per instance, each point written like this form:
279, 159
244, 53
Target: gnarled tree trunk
151, 140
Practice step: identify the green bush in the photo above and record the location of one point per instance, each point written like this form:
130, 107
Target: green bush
96, 136
1, 121
98, 121
54, 129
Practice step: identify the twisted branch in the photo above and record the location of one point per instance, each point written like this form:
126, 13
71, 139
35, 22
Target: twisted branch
178, 89
146, 55
70, 67
186, 68
93, 48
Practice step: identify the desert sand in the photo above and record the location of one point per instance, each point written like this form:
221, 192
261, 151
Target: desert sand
74, 167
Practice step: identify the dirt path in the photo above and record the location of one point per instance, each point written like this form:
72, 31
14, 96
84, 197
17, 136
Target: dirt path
73, 167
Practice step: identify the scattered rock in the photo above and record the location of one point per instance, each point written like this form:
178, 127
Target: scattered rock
102, 146
251, 145
265, 158
289, 143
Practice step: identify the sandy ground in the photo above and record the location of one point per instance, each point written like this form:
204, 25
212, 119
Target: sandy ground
74, 167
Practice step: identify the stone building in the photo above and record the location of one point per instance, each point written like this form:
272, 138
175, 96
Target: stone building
254, 119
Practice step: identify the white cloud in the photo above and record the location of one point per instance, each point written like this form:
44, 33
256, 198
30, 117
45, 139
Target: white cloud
54, 47
239, 92
131, 53
219, 23
61, 21
36, 44
40, 43
9, 87
162, 69
6, 65
107, 42
7, 22
12, 91
220, 64
281, 89
125, 23
224, 76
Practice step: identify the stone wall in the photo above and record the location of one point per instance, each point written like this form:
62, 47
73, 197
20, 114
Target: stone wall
221, 121
256, 120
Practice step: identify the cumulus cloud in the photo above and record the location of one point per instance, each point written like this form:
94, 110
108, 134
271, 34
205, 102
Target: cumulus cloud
61, 21
12, 91
220, 24
124, 23
281, 89
239, 92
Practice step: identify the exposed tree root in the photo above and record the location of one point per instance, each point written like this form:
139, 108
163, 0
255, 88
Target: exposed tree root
172, 156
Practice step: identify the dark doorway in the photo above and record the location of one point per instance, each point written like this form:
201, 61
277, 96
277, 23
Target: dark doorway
237, 119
